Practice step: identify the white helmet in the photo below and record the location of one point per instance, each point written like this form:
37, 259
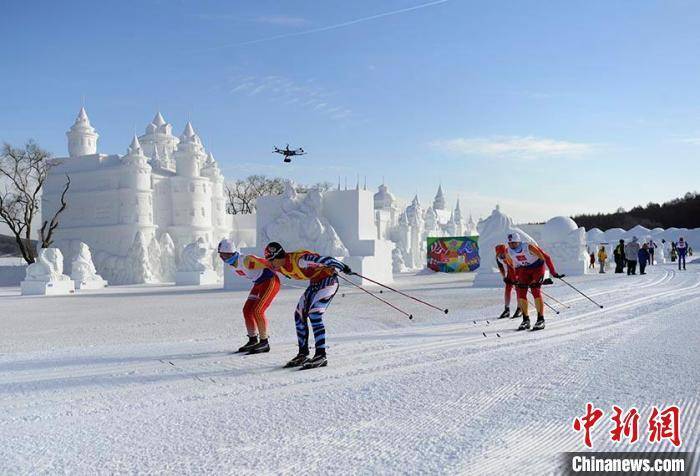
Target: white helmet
514, 237
226, 246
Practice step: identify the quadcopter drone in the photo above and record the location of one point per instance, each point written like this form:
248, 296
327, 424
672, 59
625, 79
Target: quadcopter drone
289, 153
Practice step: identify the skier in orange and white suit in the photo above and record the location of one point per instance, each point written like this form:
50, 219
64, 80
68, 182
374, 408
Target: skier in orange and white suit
508, 274
529, 262
266, 285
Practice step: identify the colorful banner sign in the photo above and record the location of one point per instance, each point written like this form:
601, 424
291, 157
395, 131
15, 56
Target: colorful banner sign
453, 254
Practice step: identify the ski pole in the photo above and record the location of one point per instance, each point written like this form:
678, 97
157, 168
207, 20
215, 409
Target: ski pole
410, 316
555, 300
578, 291
401, 292
545, 303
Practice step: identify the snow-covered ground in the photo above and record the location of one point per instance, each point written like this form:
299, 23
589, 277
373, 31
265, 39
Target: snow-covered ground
141, 379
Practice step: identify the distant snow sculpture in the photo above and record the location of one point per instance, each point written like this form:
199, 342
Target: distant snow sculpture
565, 242
45, 276
83, 270
302, 224
195, 266
493, 230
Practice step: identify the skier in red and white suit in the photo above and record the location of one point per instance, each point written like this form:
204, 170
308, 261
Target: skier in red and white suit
529, 262
508, 274
266, 285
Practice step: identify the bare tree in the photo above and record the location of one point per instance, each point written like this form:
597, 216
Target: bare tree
24, 171
243, 193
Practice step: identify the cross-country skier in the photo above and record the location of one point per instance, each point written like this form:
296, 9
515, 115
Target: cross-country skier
321, 272
508, 274
266, 285
682, 249
529, 262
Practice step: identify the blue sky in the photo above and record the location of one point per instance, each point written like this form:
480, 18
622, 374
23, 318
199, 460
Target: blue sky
544, 107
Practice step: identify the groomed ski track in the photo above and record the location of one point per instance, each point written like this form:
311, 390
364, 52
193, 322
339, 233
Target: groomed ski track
142, 380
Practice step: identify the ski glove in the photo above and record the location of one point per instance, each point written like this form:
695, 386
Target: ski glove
346, 269
558, 276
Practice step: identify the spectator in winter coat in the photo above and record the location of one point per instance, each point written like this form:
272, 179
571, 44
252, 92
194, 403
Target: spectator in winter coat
602, 258
631, 254
682, 249
619, 256
591, 261
652, 247
644, 257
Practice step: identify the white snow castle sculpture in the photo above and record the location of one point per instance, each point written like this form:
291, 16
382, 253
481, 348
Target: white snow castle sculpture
565, 242
45, 276
195, 266
493, 230
83, 270
163, 184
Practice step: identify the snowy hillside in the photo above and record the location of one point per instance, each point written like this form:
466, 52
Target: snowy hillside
141, 379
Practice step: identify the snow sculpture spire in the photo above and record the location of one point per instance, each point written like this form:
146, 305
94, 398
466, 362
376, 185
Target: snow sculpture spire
82, 138
439, 201
135, 147
158, 120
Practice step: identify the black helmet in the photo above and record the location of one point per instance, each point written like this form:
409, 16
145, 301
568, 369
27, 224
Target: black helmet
274, 250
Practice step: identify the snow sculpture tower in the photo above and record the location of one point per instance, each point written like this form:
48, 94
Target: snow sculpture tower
82, 138
417, 250
135, 190
457, 220
493, 231
191, 193
219, 217
159, 143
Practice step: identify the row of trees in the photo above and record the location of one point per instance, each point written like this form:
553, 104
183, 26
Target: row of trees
682, 212
23, 173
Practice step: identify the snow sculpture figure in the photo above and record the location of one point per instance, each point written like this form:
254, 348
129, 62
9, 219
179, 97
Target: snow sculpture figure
301, 224
154, 258
493, 231
168, 262
83, 270
397, 261
195, 257
565, 242
138, 267
195, 267
45, 276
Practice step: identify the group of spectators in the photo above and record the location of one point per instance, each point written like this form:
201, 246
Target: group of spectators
629, 255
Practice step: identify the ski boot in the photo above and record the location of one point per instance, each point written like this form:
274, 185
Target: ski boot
539, 325
260, 347
301, 358
518, 313
252, 342
525, 324
505, 313
319, 360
